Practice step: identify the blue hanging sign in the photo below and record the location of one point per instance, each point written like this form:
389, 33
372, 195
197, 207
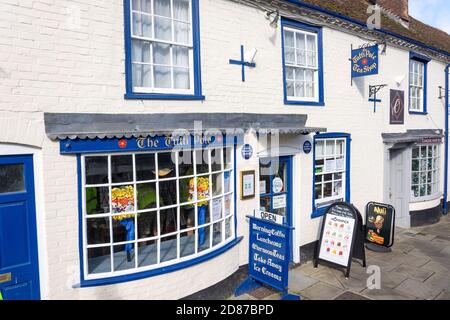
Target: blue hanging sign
69, 146
269, 252
365, 61
307, 147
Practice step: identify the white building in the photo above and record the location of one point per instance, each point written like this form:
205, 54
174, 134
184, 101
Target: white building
92, 205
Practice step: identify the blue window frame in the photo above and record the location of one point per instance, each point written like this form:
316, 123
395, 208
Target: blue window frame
418, 83
302, 55
99, 171
162, 49
331, 171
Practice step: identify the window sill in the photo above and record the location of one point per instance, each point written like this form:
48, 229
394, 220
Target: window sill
417, 112
304, 103
155, 272
160, 96
426, 198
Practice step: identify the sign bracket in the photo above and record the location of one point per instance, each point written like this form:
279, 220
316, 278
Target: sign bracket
373, 90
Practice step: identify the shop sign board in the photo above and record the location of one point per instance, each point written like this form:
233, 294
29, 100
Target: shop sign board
397, 107
364, 61
340, 235
380, 222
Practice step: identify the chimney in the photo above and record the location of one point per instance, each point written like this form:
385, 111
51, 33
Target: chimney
397, 7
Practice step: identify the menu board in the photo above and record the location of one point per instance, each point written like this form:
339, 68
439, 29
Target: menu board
338, 234
380, 224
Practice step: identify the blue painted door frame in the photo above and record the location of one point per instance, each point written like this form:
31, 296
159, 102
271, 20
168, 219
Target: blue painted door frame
19, 267
287, 190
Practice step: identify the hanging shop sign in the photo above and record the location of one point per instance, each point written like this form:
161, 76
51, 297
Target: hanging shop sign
397, 107
341, 236
247, 151
307, 147
277, 185
69, 146
269, 255
380, 222
364, 61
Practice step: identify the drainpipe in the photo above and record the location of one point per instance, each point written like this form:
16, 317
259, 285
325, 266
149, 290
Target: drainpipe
445, 209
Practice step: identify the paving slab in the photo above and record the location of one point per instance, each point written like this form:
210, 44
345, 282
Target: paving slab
353, 284
413, 272
391, 279
417, 289
444, 295
321, 291
437, 265
307, 268
299, 281
438, 282
329, 276
349, 295
386, 294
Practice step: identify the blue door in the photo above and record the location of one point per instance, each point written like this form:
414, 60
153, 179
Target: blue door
19, 271
275, 181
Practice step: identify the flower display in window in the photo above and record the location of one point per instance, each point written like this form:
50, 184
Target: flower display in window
122, 199
202, 190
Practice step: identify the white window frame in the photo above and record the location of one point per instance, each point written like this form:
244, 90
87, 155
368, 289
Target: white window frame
152, 40
298, 66
322, 202
435, 172
416, 82
158, 237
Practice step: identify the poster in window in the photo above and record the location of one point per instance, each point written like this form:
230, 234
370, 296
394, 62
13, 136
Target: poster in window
340, 164
397, 107
330, 166
217, 209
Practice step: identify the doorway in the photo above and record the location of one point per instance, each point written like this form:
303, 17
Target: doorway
398, 189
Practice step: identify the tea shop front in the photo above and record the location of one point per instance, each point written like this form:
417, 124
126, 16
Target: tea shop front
155, 199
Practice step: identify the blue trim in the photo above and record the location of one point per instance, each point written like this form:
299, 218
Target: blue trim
154, 272
318, 30
318, 212
364, 26
197, 95
420, 58
447, 88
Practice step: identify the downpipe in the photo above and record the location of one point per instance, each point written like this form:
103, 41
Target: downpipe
445, 205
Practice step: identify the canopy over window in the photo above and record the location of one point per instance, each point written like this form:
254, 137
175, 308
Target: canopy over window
90, 126
404, 139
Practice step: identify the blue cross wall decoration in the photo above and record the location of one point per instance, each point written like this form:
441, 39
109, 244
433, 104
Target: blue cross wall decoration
373, 90
243, 63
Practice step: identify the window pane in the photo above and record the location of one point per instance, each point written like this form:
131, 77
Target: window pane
415, 191
300, 40
161, 54
96, 169
309, 89
162, 7
142, 25
327, 190
227, 181
217, 233
167, 193
146, 196
216, 159
228, 200
97, 200
288, 38
180, 56
415, 178
142, 5
311, 42
290, 89
318, 191
123, 228
415, 152
147, 225
12, 178
186, 187
145, 166
163, 29
162, 77
311, 59
415, 165
98, 231
181, 31
228, 227
168, 220
122, 199
217, 209
202, 161
168, 248
124, 257
289, 55
187, 243
121, 168
265, 204
142, 75
203, 238
228, 158
181, 9
181, 78
147, 252
99, 260
319, 148
166, 166
299, 89
330, 147
203, 214
301, 57
289, 73
187, 217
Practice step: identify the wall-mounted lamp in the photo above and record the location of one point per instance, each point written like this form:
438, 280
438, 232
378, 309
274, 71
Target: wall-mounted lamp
273, 17
441, 92
398, 80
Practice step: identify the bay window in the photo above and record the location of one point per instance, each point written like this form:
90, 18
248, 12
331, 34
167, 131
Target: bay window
143, 211
425, 171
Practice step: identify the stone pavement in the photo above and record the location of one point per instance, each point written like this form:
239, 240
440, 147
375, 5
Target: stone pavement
417, 268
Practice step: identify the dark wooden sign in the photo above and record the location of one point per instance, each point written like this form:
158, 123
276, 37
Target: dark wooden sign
380, 224
341, 237
397, 107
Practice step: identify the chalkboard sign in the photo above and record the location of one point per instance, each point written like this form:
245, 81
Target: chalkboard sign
380, 223
341, 237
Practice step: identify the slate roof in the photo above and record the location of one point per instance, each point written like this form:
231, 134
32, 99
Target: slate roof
418, 31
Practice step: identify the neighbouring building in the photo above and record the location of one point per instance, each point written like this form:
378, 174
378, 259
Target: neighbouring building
131, 130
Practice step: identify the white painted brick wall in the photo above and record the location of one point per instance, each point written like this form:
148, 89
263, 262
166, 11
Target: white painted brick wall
68, 56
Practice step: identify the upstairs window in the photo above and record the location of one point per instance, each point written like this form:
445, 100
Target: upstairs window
162, 40
418, 83
302, 64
